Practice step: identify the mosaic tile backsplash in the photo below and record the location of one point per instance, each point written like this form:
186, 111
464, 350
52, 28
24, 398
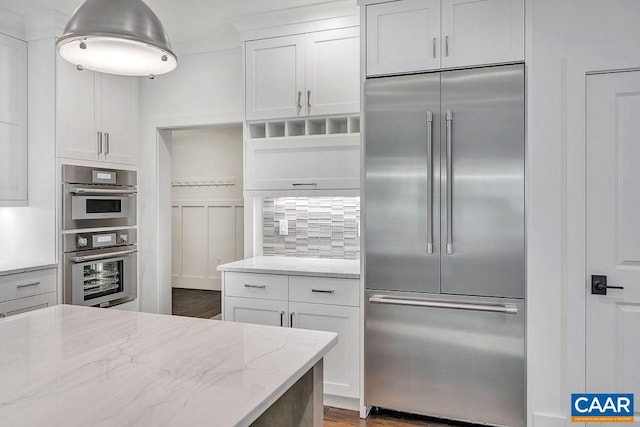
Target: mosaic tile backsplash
319, 227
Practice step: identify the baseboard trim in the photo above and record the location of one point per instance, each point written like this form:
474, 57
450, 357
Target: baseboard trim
548, 420
342, 402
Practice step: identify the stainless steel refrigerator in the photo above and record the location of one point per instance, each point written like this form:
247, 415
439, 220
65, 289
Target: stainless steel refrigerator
444, 213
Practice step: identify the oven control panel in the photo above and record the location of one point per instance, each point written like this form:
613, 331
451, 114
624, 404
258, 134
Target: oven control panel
99, 239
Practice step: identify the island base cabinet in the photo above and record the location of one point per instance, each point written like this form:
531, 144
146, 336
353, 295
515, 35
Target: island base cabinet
257, 311
340, 377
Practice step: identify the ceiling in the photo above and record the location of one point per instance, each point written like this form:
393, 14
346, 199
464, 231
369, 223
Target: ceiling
184, 20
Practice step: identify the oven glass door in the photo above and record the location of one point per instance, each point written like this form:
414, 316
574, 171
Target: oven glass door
99, 207
103, 280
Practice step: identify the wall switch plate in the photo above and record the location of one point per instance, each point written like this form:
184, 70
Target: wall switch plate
283, 227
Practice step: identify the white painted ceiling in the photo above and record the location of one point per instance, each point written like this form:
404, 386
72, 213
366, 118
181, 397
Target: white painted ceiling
184, 20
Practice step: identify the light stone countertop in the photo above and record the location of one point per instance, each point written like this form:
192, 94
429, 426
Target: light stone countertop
8, 272
79, 366
320, 267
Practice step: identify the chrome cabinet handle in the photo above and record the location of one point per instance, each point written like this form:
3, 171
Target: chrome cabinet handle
3, 315
282, 318
446, 46
80, 190
106, 143
323, 291
309, 98
449, 119
99, 142
299, 103
27, 285
307, 184
429, 182
247, 285
291, 319
420, 302
101, 256
434, 47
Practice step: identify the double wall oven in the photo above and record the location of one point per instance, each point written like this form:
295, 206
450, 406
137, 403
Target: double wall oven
99, 238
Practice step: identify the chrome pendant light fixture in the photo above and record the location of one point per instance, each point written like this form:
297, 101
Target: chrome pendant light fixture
117, 37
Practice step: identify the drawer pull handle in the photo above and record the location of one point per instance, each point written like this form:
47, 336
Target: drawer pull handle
28, 285
247, 285
323, 291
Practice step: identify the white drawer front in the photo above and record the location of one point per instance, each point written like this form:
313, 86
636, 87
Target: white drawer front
27, 284
22, 305
249, 285
324, 290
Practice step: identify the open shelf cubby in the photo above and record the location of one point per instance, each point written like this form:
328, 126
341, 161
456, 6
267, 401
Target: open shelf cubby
300, 127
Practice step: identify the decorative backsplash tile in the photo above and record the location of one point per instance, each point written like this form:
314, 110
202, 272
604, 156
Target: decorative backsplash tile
319, 227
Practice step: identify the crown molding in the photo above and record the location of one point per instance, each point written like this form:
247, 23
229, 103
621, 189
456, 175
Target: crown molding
12, 24
45, 24
196, 47
296, 20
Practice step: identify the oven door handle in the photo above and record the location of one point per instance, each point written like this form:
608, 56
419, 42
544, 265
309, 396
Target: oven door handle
101, 256
80, 190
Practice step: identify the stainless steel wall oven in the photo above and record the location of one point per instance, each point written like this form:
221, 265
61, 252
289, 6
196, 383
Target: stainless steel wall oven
100, 268
96, 197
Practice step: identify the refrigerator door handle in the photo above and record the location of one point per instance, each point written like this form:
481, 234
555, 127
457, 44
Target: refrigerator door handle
449, 190
429, 182
420, 302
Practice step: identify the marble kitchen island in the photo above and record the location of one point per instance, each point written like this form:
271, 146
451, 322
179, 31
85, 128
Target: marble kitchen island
78, 366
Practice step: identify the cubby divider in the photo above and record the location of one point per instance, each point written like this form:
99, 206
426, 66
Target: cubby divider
301, 127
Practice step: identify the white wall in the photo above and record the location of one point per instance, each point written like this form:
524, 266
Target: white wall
558, 32
207, 219
206, 88
28, 234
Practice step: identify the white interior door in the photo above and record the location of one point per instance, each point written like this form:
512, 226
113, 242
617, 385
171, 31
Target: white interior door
613, 233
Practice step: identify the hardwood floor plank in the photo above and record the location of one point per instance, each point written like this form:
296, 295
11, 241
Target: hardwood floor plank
334, 417
196, 303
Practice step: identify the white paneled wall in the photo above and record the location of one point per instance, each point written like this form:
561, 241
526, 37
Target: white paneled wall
207, 204
205, 234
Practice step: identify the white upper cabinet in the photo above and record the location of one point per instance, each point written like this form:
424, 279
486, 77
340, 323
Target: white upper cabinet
275, 77
13, 121
403, 36
333, 71
482, 32
307, 74
418, 35
97, 115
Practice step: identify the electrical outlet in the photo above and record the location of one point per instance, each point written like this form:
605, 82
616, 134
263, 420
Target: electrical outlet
283, 227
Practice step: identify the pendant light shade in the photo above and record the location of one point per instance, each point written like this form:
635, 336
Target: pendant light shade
117, 37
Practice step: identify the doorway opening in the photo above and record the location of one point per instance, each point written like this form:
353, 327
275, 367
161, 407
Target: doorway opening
207, 215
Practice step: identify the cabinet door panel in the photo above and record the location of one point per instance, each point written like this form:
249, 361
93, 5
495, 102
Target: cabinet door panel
328, 162
23, 305
401, 35
257, 311
333, 71
274, 76
119, 95
13, 120
482, 31
76, 123
341, 371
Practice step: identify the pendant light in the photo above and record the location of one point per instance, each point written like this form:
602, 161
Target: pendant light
117, 37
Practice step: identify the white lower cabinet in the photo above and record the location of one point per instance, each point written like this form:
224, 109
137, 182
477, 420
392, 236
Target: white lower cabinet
257, 311
27, 291
340, 373
316, 303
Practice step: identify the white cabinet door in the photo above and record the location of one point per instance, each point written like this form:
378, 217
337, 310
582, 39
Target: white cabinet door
275, 77
333, 71
77, 124
482, 32
258, 311
13, 120
119, 104
321, 163
403, 36
341, 367
22, 305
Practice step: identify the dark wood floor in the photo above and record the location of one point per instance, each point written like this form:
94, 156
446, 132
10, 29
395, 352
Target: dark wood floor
334, 417
196, 303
